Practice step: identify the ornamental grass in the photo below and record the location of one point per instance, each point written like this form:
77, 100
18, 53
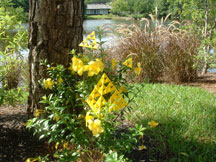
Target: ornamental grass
165, 50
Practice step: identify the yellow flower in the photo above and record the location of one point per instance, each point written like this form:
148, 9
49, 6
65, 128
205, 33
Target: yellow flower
65, 145
153, 124
31, 160
114, 63
95, 67
38, 112
88, 117
81, 116
48, 83
56, 145
128, 63
142, 147
60, 80
78, 66
56, 118
95, 127
138, 69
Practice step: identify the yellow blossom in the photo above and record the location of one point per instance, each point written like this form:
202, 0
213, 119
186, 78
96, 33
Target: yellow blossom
48, 83
78, 66
95, 127
81, 116
128, 63
56, 118
95, 67
88, 117
138, 69
60, 80
142, 147
114, 63
65, 145
38, 112
31, 160
153, 124
56, 145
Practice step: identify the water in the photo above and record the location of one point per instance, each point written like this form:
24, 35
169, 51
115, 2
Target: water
92, 25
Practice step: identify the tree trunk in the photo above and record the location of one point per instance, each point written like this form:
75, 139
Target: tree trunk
55, 28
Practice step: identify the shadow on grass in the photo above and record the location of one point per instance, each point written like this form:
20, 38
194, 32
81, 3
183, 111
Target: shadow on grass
165, 143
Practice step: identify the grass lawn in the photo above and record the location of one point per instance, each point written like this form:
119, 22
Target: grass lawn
187, 122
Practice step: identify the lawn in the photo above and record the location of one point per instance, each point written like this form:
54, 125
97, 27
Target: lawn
187, 122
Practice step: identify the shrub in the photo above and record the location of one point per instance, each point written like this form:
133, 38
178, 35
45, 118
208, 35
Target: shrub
86, 106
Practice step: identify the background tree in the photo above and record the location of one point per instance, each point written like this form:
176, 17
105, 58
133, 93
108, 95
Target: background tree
21, 3
55, 28
202, 15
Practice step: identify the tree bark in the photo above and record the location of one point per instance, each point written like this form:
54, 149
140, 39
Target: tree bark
55, 28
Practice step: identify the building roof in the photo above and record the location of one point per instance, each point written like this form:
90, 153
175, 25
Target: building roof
98, 6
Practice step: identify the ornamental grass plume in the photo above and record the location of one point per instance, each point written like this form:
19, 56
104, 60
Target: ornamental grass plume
165, 50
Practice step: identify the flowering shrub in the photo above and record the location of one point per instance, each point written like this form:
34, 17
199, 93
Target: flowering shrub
86, 105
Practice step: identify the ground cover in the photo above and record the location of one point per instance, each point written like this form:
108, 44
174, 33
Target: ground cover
186, 117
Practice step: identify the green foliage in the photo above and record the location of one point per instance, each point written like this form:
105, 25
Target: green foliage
119, 7
13, 97
21, 3
13, 39
186, 117
114, 157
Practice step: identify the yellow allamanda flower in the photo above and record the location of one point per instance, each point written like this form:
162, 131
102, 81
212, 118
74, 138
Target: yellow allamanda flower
95, 127
60, 80
38, 112
48, 83
78, 66
128, 63
138, 69
153, 124
95, 67
76, 63
114, 63
88, 117
142, 147
32, 160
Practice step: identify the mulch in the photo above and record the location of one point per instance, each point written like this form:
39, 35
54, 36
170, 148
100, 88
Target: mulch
18, 143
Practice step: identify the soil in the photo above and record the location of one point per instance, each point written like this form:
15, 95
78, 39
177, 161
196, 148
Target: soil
17, 143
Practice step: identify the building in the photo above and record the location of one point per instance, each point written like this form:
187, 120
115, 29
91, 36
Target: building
98, 9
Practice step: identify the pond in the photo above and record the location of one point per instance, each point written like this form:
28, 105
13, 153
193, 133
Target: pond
91, 25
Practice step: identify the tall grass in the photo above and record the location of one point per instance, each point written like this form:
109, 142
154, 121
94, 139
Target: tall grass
164, 49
